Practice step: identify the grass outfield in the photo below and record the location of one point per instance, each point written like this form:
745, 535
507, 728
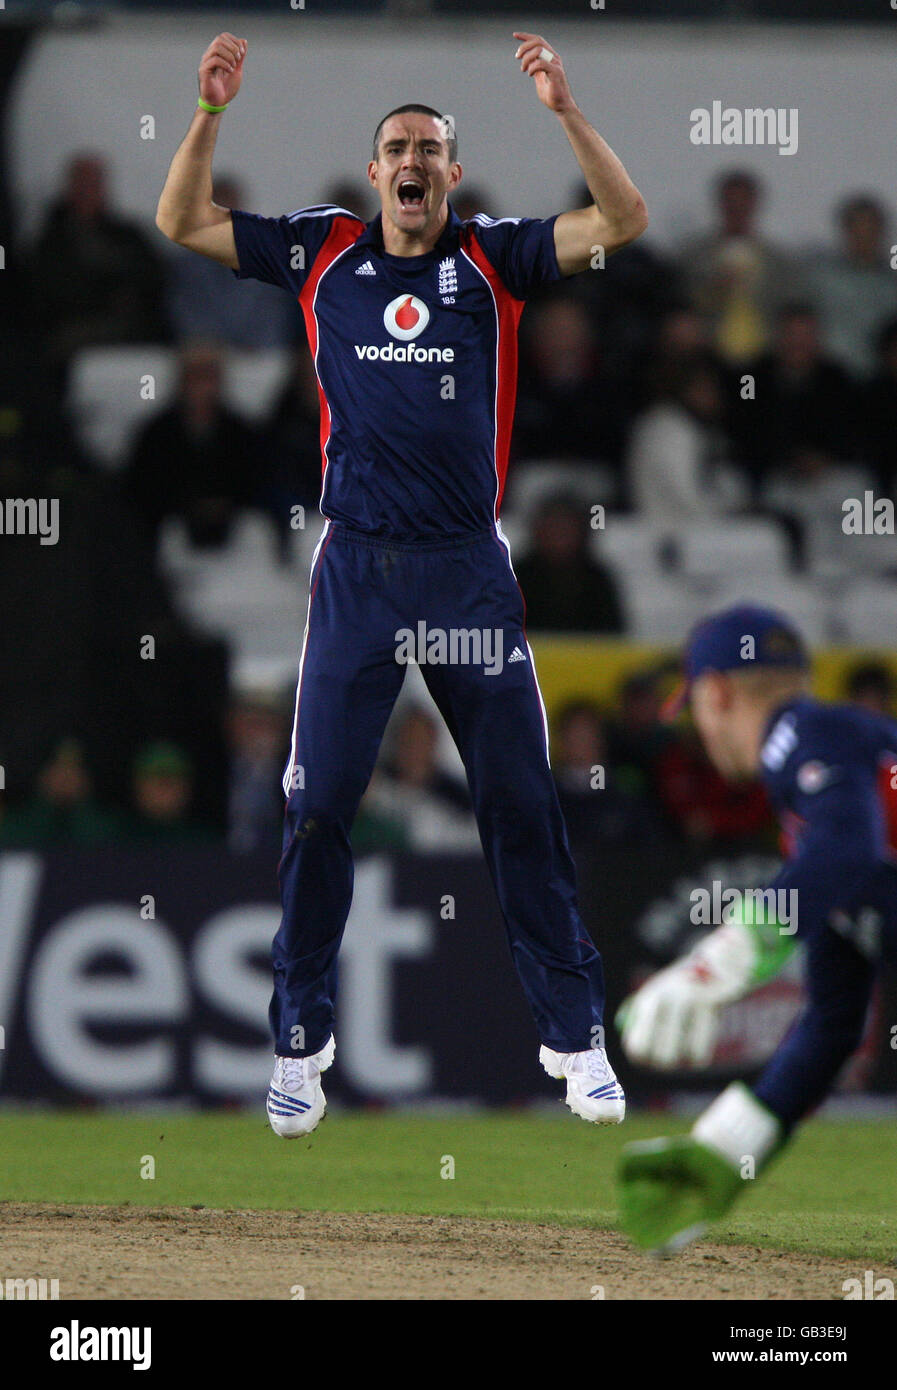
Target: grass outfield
834, 1191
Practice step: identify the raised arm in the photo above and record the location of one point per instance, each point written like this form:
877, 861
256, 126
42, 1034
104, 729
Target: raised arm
186, 213
618, 214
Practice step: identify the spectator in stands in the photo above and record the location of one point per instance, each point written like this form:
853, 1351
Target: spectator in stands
626, 298
162, 796
803, 401
97, 279
636, 734
871, 685
878, 414
375, 827
292, 445
567, 405
351, 195
62, 810
468, 201
257, 733
802, 442
564, 588
734, 276
413, 792
854, 288
196, 458
679, 337
205, 301
596, 809
701, 805
678, 461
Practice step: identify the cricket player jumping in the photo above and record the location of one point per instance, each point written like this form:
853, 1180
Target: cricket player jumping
831, 771
412, 320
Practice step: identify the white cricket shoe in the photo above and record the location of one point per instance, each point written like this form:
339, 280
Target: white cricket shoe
593, 1091
296, 1101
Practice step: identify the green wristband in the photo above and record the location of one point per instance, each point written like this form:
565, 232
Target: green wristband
213, 109
774, 946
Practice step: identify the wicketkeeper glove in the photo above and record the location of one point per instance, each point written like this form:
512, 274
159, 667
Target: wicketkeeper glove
671, 1189
673, 1020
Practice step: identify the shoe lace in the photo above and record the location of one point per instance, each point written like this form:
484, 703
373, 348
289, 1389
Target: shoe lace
292, 1073
597, 1064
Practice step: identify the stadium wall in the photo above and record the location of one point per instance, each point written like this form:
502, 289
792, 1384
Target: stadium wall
315, 89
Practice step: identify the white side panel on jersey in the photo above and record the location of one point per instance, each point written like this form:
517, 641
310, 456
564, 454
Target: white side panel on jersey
321, 210
288, 770
532, 660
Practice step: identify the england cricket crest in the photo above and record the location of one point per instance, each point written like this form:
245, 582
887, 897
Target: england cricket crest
448, 280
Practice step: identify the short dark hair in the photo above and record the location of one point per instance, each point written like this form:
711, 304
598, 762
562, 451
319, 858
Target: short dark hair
737, 178
424, 111
859, 202
871, 675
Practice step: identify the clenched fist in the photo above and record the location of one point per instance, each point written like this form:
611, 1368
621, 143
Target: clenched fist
221, 69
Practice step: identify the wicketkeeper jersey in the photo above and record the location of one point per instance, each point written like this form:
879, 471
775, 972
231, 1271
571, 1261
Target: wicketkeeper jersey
416, 359
831, 771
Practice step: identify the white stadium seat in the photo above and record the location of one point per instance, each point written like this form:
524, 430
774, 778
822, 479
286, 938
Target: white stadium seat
240, 592
254, 379
711, 549
105, 401
867, 613
659, 609
531, 483
803, 601
630, 545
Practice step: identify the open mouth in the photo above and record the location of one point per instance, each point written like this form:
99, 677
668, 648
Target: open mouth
411, 193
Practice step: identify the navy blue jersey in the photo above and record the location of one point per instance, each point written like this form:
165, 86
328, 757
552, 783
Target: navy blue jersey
830, 770
416, 359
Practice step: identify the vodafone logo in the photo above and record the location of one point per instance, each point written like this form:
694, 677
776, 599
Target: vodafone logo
406, 316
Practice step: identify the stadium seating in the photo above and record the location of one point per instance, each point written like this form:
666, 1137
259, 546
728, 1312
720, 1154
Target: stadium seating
241, 592
867, 612
106, 394
715, 549
534, 481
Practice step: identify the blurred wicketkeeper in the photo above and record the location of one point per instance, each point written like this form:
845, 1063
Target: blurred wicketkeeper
831, 772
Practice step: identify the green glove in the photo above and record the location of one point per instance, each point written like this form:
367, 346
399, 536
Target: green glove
671, 1189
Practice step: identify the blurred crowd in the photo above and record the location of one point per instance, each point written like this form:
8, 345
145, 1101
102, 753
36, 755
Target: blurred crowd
729, 376
624, 776
725, 376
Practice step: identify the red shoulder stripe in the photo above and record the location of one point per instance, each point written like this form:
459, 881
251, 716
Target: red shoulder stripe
508, 311
344, 232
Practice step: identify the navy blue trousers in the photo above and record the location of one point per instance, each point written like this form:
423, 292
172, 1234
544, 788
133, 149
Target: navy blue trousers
363, 594
804, 1067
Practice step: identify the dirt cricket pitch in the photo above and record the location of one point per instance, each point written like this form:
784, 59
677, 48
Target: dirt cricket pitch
171, 1253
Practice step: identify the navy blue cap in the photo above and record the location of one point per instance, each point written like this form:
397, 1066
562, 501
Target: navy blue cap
738, 639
